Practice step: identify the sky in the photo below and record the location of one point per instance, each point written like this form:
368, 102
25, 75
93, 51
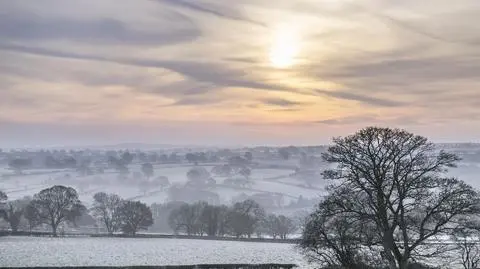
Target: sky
236, 72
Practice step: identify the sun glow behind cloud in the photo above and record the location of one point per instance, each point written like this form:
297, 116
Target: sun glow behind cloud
285, 47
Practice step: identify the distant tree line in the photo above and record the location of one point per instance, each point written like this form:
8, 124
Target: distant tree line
242, 219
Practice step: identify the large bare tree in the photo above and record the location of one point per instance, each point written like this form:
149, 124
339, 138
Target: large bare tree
57, 205
106, 208
402, 178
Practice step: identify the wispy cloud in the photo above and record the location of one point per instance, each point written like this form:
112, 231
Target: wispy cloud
195, 101
218, 10
281, 102
213, 73
360, 98
32, 27
366, 119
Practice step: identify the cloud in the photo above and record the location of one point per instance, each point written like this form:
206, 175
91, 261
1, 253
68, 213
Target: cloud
420, 26
280, 102
196, 101
10, 97
404, 71
213, 73
360, 98
348, 120
370, 120
216, 10
285, 110
32, 27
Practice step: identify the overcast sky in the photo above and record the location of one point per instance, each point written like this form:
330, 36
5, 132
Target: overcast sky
229, 72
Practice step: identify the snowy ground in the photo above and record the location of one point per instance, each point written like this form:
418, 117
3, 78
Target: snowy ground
84, 251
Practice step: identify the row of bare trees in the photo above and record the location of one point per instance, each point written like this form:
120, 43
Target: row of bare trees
390, 202
60, 205
242, 219
117, 214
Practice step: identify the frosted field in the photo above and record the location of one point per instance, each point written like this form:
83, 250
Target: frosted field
35, 251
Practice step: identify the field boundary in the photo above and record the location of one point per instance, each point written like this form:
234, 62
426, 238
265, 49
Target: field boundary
203, 266
153, 236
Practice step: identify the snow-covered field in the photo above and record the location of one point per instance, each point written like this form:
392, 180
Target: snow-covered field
84, 251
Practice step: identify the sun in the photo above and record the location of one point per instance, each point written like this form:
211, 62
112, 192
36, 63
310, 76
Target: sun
285, 48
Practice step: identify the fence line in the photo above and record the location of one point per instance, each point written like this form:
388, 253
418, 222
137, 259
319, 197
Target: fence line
158, 236
198, 266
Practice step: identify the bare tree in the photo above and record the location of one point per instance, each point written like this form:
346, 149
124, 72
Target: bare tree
162, 182
284, 153
285, 226
402, 178
248, 156
279, 226
245, 217
191, 158
270, 226
14, 212
213, 220
106, 209
466, 239
20, 164
161, 213
223, 170
198, 177
135, 216
57, 205
147, 169
32, 216
334, 238
3, 199
187, 218
245, 172
127, 158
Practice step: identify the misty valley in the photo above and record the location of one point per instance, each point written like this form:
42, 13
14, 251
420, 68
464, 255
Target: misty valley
240, 134
256, 200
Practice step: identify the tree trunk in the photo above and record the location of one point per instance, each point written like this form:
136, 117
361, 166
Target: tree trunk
389, 255
387, 244
54, 230
403, 263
